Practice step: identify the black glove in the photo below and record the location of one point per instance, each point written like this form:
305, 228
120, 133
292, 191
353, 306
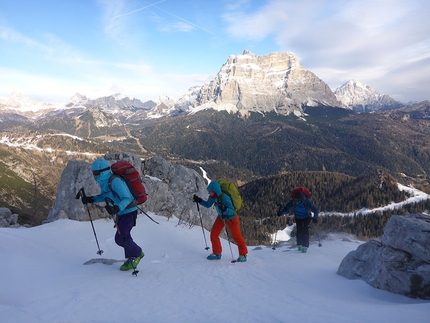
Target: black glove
196, 199
222, 207
87, 199
279, 213
314, 220
112, 209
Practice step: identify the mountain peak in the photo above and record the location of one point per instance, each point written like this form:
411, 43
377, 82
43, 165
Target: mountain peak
272, 82
20, 103
359, 96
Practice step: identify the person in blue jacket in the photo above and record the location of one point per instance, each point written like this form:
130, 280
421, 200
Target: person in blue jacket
118, 201
301, 206
226, 216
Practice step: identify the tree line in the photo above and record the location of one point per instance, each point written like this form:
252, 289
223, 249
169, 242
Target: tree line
331, 193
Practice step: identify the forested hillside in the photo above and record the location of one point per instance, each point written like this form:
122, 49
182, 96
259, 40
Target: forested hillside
331, 193
330, 139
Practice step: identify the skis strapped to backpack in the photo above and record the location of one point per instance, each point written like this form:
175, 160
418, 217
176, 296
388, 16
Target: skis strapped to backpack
131, 177
231, 190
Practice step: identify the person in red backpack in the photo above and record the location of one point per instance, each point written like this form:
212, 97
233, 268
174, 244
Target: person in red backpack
301, 206
120, 198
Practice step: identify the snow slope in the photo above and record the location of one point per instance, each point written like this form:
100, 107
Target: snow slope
43, 279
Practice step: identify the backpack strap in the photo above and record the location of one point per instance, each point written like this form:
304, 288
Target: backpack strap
133, 203
110, 185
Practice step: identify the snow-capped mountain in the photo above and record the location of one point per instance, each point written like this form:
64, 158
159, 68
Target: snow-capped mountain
358, 96
17, 103
273, 82
119, 105
245, 83
77, 100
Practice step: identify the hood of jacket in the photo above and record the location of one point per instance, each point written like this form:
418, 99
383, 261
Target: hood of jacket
214, 187
103, 178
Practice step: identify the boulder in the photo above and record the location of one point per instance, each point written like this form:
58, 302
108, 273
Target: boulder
7, 219
399, 262
170, 188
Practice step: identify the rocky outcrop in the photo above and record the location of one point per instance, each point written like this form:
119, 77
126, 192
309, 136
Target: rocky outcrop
273, 82
8, 219
399, 263
170, 188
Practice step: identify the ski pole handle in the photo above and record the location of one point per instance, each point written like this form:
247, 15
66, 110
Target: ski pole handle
80, 193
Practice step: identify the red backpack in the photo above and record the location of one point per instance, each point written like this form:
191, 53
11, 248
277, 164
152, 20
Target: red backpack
131, 177
301, 189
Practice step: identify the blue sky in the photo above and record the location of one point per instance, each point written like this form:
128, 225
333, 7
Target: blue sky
49, 50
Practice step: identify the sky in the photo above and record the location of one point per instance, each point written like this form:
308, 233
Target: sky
44, 279
50, 50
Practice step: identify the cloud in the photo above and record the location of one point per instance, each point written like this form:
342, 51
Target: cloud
140, 9
363, 39
49, 47
10, 35
113, 17
179, 26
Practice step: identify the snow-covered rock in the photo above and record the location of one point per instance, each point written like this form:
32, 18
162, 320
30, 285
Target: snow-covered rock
8, 219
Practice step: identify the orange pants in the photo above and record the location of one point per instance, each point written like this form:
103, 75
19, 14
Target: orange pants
234, 227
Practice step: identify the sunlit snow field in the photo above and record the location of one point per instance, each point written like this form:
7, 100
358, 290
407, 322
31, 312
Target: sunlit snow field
43, 279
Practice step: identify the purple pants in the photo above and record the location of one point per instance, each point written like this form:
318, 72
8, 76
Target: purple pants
123, 238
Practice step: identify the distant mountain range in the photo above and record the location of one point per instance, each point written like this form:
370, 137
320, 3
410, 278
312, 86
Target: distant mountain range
260, 116
245, 83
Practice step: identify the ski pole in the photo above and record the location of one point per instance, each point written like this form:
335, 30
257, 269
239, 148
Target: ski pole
229, 243
135, 270
147, 215
318, 236
277, 226
80, 194
201, 223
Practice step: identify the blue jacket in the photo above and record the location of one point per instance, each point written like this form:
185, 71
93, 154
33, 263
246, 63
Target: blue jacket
229, 213
123, 196
301, 209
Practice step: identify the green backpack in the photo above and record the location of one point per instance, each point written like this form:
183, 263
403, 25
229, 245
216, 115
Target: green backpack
231, 190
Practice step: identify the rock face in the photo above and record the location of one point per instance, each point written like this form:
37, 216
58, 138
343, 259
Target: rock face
273, 82
170, 188
7, 219
399, 263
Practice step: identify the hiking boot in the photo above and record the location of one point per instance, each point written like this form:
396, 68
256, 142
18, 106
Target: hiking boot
131, 263
304, 249
137, 259
127, 265
299, 248
213, 256
241, 258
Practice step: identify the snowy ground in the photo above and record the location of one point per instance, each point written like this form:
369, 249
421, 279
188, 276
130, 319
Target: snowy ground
43, 279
